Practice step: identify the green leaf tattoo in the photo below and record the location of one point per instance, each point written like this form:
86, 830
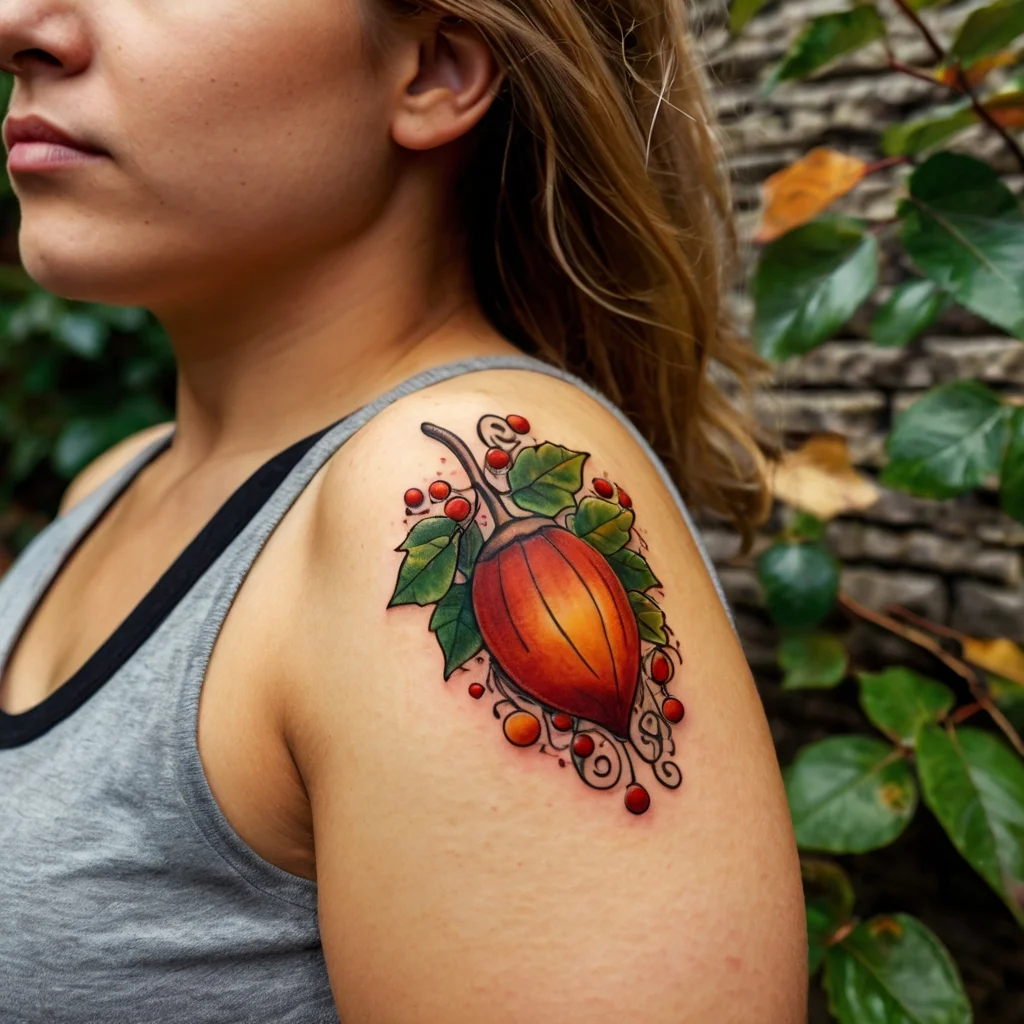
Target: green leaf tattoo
469, 547
455, 626
545, 479
428, 568
649, 618
602, 524
633, 570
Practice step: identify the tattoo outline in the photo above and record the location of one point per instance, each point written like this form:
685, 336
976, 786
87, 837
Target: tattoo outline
553, 600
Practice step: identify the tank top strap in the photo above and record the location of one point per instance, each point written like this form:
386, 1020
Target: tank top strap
46, 554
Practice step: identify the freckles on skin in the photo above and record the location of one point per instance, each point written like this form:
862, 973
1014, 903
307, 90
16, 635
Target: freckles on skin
232, 125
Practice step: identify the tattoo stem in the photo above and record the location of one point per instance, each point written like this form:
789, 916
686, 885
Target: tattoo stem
461, 451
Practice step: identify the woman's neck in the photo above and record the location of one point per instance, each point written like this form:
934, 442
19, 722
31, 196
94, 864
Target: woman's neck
291, 349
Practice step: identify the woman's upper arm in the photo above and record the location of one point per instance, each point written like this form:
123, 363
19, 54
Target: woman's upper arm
465, 878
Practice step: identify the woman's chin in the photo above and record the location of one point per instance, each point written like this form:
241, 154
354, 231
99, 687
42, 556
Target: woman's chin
81, 276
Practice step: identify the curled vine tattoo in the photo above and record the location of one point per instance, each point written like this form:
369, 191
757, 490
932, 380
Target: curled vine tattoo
543, 583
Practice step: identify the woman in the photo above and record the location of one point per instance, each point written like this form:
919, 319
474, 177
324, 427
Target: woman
476, 740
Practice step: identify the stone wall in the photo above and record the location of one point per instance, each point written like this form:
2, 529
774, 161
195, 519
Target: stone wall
958, 562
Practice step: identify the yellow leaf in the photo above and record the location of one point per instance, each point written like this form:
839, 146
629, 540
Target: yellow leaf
885, 926
977, 71
818, 478
1003, 657
798, 193
1007, 117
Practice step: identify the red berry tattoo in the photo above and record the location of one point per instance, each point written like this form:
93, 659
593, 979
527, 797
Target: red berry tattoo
661, 668
413, 497
544, 597
497, 458
457, 509
583, 745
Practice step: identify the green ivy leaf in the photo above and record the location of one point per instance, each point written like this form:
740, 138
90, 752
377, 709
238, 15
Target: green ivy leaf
899, 701
85, 336
469, 547
741, 11
800, 583
602, 524
1009, 698
893, 970
633, 570
1011, 490
428, 568
988, 30
947, 442
650, 619
828, 899
911, 309
974, 784
964, 229
826, 38
849, 794
545, 478
812, 661
806, 526
122, 318
911, 138
86, 437
810, 282
454, 624
27, 451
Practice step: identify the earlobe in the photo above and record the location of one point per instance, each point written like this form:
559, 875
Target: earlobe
455, 81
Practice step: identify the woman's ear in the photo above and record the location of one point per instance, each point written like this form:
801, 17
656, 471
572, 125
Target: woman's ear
450, 85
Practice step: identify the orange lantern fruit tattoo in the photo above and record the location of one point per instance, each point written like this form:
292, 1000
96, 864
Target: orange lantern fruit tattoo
550, 611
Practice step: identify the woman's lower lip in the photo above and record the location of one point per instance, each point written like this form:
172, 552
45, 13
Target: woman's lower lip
46, 156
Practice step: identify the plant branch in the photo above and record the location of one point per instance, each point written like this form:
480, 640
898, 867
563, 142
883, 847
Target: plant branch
461, 451
967, 711
906, 69
933, 44
881, 165
937, 629
957, 665
986, 115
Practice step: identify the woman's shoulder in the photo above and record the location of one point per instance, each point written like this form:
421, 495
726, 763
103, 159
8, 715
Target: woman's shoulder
516, 410
504, 610
110, 462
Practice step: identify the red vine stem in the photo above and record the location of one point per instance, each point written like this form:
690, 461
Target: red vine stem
933, 44
841, 932
881, 165
906, 69
961, 80
986, 116
962, 714
919, 620
461, 451
961, 668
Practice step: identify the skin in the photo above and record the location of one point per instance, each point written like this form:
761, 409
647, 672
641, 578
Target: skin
285, 208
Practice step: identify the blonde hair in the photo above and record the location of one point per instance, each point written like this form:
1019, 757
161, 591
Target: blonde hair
598, 217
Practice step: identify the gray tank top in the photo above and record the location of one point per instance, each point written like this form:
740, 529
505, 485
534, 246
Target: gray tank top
125, 895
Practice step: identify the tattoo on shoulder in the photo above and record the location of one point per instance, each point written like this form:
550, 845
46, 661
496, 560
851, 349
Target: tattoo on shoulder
542, 596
